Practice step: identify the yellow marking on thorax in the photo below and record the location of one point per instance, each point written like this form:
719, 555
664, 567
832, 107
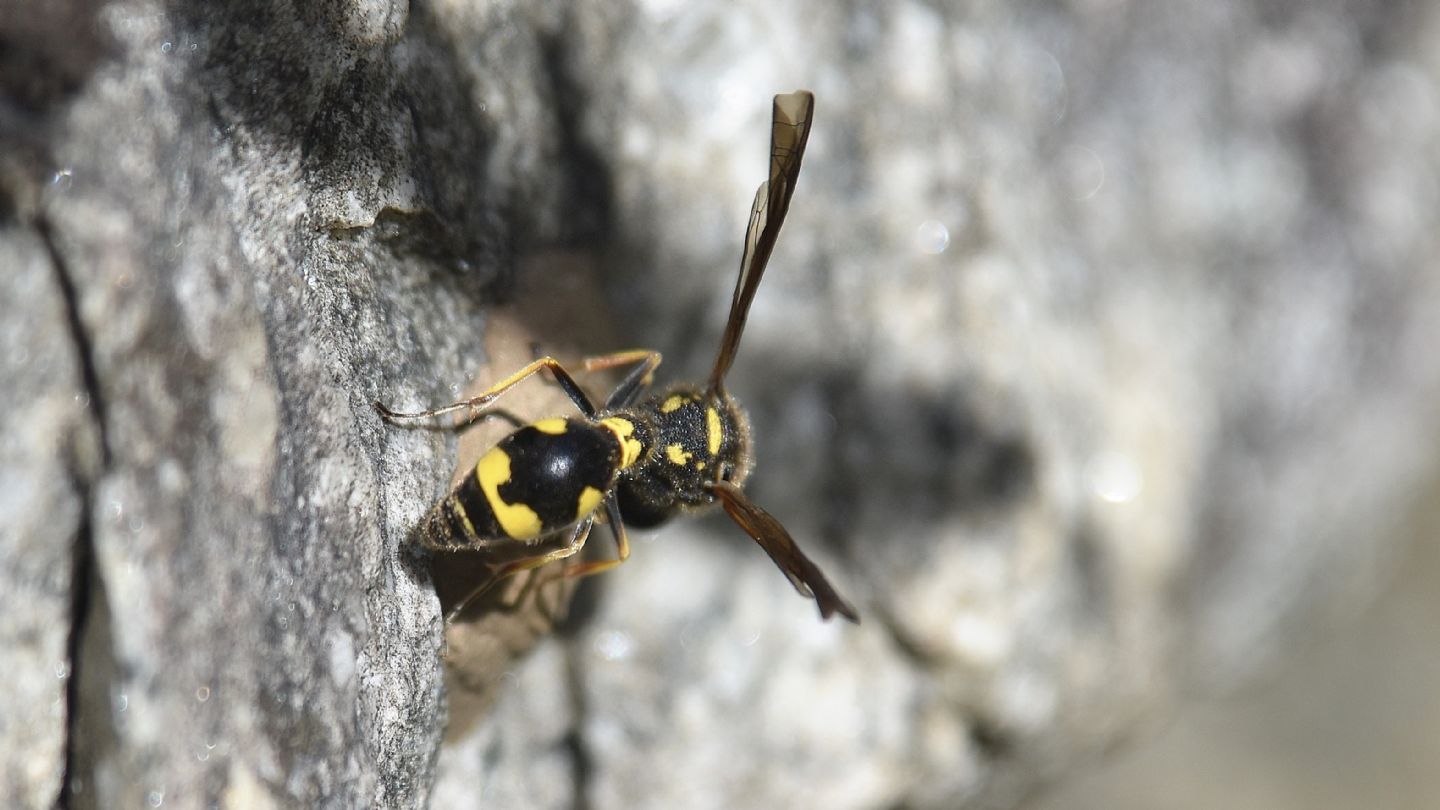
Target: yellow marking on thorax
624, 430
677, 454
674, 403
518, 520
713, 431
554, 426
589, 499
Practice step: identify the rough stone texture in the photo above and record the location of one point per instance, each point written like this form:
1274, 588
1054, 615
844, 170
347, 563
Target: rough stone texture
1093, 360
46, 448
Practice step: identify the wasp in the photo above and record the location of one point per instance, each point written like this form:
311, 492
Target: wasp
640, 457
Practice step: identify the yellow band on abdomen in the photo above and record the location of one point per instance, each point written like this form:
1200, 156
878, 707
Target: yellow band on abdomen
518, 520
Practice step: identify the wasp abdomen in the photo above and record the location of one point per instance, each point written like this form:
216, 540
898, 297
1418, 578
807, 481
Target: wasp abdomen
538, 480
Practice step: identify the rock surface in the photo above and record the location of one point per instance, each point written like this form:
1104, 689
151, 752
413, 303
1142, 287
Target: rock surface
1093, 360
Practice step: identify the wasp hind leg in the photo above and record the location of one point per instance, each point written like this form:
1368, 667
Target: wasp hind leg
622, 545
573, 545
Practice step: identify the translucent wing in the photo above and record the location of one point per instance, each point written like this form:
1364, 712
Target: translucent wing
805, 575
789, 130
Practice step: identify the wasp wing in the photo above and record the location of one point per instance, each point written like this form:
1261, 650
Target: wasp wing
789, 131
805, 575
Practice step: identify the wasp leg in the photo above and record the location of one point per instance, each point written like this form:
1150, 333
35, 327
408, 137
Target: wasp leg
604, 361
573, 545
635, 383
470, 420
622, 544
478, 403
501, 414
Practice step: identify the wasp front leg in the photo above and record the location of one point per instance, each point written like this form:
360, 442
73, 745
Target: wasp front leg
636, 383
483, 400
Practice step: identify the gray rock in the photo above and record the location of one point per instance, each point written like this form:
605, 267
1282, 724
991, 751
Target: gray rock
1093, 361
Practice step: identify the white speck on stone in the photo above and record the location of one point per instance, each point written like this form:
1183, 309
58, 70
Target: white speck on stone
932, 237
341, 650
1083, 170
614, 645
980, 640
1113, 477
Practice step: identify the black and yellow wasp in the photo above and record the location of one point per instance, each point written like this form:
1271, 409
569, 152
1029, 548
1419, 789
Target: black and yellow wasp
641, 458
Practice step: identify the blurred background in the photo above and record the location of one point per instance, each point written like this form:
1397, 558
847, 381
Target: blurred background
1348, 719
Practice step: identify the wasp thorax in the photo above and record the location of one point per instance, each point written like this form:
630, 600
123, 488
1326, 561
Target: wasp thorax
699, 438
